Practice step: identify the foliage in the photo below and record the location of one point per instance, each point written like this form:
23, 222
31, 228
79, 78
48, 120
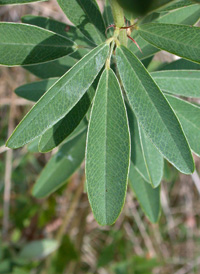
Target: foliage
132, 117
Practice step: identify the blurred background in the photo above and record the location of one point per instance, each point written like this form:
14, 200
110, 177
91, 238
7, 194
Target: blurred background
31, 228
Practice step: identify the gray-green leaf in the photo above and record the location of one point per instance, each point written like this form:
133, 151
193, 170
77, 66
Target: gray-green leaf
181, 40
86, 16
60, 98
18, 47
189, 116
186, 15
55, 68
61, 130
63, 29
181, 64
153, 111
35, 90
39, 249
108, 151
61, 166
180, 82
153, 160
148, 197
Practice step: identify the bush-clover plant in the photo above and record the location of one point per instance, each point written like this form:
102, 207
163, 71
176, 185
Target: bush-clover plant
98, 101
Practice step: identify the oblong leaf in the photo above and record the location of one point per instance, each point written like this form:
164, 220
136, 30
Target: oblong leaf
153, 112
180, 82
189, 116
35, 90
144, 156
153, 160
61, 130
18, 47
61, 166
55, 135
185, 15
175, 4
61, 28
39, 249
10, 2
55, 68
108, 151
137, 157
60, 98
181, 40
33, 146
148, 197
86, 16
181, 64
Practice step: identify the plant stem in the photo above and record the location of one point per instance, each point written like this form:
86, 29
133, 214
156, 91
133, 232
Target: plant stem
118, 15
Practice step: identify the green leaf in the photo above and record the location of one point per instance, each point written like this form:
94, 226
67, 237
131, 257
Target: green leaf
54, 68
108, 16
172, 5
185, 15
153, 160
35, 90
18, 47
86, 16
63, 29
37, 250
61, 130
146, 48
148, 197
60, 99
33, 146
181, 64
61, 166
181, 40
55, 135
144, 156
153, 112
188, 115
180, 82
137, 156
108, 151
9, 2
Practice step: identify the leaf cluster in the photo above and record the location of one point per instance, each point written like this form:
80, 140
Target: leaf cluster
97, 99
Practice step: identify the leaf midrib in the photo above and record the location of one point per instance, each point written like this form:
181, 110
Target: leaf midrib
38, 45
105, 170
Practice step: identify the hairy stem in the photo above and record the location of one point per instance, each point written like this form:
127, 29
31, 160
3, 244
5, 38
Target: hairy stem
118, 15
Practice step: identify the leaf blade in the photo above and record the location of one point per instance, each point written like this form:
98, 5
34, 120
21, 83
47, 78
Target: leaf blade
153, 160
87, 18
61, 166
148, 197
188, 115
108, 151
17, 47
65, 93
149, 104
181, 40
181, 82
